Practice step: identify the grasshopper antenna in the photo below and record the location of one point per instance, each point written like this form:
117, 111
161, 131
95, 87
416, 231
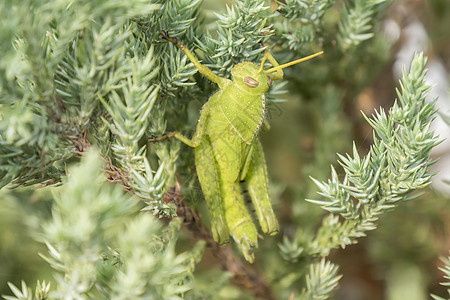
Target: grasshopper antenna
292, 63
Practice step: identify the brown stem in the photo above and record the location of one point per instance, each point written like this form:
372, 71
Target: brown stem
245, 277
115, 174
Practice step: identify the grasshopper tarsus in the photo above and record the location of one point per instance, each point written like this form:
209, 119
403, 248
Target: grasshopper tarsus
173, 40
164, 34
165, 136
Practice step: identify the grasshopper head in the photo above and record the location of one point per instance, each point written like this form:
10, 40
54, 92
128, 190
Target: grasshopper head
247, 76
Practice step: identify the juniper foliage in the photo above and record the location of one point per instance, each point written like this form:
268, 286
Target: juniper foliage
81, 75
394, 167
446, 271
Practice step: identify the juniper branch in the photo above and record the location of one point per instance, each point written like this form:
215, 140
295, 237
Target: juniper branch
321, 280
395, 166
356, 23
446, 271
101, 248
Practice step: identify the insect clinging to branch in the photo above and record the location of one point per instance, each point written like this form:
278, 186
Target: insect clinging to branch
228, 151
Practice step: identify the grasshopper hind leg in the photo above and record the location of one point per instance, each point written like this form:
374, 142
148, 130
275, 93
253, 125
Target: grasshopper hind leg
208, 175
258, 187
239, 221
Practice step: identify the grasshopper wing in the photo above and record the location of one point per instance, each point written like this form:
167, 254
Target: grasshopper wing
258, 187
208, 175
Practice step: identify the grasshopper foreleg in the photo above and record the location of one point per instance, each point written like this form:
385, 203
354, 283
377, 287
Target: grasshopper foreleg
173, 40
204, 70
165, 136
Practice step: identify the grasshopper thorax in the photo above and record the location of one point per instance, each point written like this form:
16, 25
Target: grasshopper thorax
247, 76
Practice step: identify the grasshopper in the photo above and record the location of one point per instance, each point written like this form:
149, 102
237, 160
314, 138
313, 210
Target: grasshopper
228, 151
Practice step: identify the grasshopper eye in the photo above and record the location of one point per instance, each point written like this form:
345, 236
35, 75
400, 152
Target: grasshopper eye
250, 82
269, 81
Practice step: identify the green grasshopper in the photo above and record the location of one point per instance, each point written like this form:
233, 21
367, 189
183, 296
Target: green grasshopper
228, 151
